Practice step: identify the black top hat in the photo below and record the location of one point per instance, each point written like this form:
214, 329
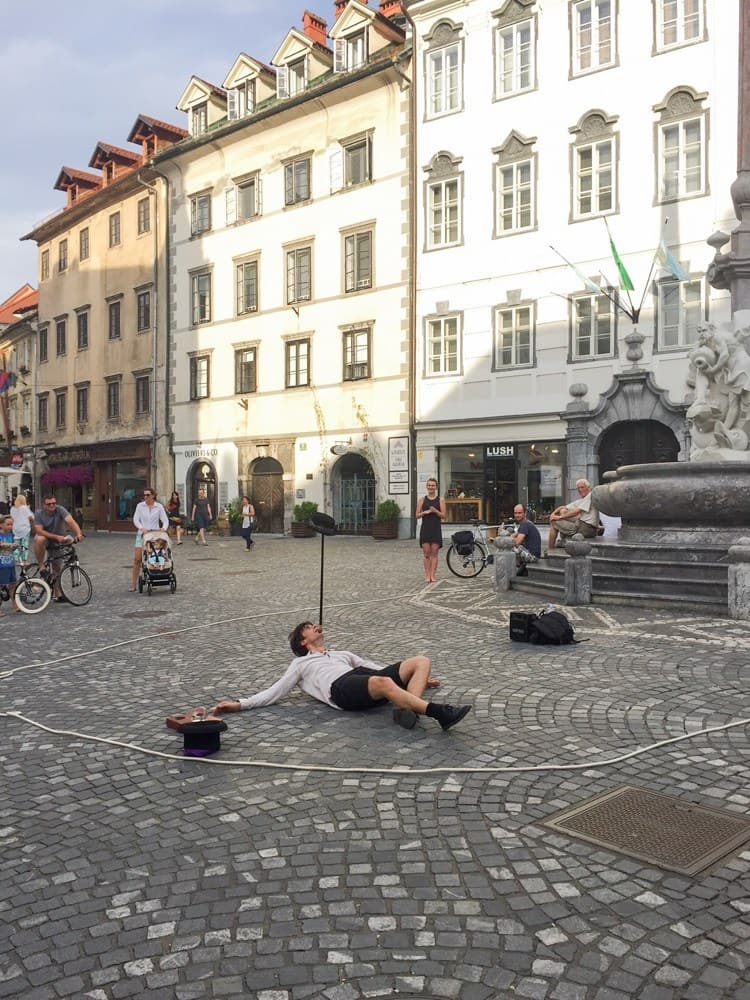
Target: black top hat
202, 738
324, 524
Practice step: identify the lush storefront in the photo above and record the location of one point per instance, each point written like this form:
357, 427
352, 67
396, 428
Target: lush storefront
487, 480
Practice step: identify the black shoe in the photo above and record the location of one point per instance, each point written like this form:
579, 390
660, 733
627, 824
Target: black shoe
405, 717
62, 599
449, 715
522, 571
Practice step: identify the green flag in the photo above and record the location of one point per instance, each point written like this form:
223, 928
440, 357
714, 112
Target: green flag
625, 281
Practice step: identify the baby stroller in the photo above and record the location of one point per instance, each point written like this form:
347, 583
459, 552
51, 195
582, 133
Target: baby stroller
157, 568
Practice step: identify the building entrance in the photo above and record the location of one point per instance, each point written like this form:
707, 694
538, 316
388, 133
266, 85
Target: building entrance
636, 442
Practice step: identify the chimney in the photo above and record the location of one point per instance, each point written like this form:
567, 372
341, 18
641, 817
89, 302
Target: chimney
338, 6
390, 8
314, 27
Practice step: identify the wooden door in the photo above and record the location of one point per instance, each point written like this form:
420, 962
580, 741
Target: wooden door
636, 442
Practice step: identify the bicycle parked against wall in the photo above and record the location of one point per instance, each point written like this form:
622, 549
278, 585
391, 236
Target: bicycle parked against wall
469, 552
62, 564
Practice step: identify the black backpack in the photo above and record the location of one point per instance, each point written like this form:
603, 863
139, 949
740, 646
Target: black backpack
551, 628
463, 542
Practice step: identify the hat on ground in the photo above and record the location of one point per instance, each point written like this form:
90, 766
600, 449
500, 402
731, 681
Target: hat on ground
202, 738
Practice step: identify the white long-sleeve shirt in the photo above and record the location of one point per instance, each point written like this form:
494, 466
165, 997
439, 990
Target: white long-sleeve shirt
314, 673
151, 518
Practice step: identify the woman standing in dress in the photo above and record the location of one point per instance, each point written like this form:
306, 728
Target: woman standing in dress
202, 517
431, 511
248, 521
173, 513
23, 521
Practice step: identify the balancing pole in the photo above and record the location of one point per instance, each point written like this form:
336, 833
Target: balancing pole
324, 525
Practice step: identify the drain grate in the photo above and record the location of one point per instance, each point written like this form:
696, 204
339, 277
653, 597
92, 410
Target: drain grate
660, 829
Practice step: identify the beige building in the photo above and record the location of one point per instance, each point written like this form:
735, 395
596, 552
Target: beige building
99, 380
289, 264
17, 362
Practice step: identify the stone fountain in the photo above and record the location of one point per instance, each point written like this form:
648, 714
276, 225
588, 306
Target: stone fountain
700, 509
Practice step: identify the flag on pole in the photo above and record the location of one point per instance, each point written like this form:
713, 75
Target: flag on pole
668, 262
7, 380
625, 279
589, 285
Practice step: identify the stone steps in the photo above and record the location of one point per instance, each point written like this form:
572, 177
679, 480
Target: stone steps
642, 574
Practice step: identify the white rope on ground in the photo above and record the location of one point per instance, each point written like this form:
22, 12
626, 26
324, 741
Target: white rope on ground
189, 628
328, 769
319, 768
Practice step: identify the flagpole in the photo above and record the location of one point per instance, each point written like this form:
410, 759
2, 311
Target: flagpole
632, 314
653, 264
591, 286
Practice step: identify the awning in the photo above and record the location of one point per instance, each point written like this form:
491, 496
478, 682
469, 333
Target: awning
68, 475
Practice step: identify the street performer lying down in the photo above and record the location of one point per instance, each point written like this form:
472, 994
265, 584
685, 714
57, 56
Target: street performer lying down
346, 681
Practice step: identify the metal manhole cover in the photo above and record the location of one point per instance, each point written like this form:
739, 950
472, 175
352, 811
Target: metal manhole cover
660, 829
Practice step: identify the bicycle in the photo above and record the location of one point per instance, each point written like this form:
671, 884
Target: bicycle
32, 594
62, 565
468, 553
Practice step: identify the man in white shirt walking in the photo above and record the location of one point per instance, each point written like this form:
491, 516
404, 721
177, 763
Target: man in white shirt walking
348, 682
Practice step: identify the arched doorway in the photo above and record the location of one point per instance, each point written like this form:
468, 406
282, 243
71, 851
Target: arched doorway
267, 494
353, 484
636, 442
201, 476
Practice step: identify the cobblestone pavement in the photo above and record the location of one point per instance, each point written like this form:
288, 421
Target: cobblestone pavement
130, 875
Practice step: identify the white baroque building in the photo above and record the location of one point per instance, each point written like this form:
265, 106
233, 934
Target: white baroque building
537, 125
289, 330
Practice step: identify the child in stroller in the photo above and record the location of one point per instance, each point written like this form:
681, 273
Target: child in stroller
157, 568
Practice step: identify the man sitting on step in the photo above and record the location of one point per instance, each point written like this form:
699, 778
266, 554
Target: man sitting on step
578, 517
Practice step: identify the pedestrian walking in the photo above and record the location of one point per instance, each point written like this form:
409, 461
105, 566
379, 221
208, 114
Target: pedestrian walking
175, 518
248, 521
201, 515
23, 521
149, 516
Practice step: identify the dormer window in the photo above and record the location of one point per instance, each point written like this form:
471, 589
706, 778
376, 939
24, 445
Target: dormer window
292, 78
350, 52
199, 119
108, 172
296, 76
241, 100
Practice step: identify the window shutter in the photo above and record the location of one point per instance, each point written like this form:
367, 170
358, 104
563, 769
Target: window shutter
249, 96
232, 104
336, 165
231, 202
368, 158
339, 55
282, 81
258, 196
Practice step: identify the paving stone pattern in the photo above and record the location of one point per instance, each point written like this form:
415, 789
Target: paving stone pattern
130, 875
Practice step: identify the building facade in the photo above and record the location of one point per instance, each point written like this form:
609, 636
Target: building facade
99, 378
289, 268
18, 316
538, 126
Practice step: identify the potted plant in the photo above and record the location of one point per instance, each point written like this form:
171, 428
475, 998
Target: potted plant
234, 514
385, 524
301, 520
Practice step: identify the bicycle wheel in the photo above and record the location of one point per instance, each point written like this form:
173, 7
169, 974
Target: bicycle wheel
75, 585
470, 565
32, 596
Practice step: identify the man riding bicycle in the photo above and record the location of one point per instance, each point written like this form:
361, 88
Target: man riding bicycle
53, 526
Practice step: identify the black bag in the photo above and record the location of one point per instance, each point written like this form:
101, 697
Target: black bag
463, 542
520, 626
551, 628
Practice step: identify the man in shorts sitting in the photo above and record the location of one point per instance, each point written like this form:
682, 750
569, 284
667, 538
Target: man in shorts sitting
346, 681
579, 517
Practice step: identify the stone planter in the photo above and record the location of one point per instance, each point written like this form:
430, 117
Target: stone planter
383, 530
301, 529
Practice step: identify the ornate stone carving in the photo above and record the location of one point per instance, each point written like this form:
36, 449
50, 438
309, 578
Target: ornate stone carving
680, 103
444, 33
720, 415
443, 163
512, 11
593, 125
514, 147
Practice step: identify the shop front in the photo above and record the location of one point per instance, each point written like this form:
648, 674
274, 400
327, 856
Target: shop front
487, 480
100, 484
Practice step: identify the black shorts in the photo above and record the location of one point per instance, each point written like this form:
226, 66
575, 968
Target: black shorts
350, 690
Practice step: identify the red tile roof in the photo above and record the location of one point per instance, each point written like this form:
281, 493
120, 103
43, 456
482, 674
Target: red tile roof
25, 298
70, 175
104, 151
154, 125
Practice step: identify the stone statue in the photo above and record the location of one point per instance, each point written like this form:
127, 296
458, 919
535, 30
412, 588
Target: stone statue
720, 415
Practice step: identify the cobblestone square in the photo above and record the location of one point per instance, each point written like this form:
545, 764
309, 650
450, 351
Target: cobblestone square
336, 855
